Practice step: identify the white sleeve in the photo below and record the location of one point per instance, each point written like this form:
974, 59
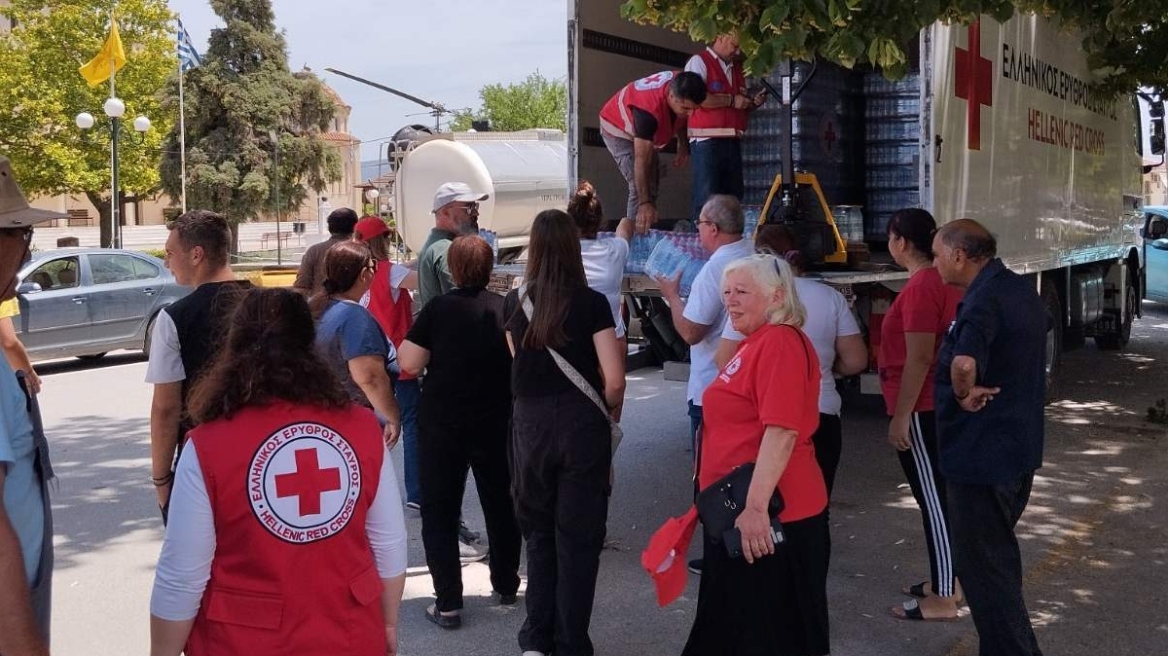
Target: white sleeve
165, 357
845, 321
704, 305
397, 273
386, 525
696, 65
185, 563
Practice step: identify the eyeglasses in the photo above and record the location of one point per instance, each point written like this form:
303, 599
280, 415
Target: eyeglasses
469, 207
707, 222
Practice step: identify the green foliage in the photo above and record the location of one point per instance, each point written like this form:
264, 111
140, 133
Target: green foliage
41, 92
1126, 42
536, 102
234, 101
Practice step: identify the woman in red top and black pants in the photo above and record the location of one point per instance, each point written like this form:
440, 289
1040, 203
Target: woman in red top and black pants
763, 407
910, 338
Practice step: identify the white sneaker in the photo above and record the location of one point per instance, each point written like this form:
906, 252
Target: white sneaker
534, 653
470, 554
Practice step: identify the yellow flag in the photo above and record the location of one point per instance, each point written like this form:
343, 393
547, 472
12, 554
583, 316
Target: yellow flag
111, 58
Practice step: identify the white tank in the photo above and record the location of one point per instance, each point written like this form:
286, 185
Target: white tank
524, 173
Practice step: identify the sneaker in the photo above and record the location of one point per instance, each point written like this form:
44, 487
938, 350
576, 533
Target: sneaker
465, 534
531, 652
471, 554
508, 599
413, 505
695, 566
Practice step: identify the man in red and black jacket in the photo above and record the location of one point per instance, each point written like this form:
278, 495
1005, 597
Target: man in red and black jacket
640, 120
717, 126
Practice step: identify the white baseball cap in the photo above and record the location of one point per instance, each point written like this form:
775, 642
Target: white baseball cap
14, 209
456, 192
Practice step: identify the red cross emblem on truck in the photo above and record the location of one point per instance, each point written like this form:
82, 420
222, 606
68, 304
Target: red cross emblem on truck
308, 482
973, 82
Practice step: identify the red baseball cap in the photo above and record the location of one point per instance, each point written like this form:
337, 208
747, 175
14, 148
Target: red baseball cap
664, 559
369, 227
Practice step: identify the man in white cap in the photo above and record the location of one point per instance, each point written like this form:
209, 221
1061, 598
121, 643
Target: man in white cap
456, 212
26, 522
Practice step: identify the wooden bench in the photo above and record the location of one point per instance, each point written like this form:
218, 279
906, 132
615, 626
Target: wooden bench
283, 237
78, 218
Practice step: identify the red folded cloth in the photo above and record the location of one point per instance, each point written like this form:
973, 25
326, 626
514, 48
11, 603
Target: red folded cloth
664, 557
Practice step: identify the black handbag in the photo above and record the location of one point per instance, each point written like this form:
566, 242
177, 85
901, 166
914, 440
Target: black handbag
720, 504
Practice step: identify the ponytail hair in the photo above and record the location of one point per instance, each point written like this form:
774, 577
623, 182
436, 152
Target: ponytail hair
585, 210
342, 267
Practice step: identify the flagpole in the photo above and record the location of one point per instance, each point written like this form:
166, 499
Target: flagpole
182, 137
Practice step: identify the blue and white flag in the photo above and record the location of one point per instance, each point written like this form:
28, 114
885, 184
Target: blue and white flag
188, 57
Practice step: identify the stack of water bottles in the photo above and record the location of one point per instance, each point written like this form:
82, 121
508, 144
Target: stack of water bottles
492, 238
677, 253
750, 215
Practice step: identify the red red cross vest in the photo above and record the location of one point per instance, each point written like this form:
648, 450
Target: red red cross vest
723, 121
394, 317
650, 94
293, 572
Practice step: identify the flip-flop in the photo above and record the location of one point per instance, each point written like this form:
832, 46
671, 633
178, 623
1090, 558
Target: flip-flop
916, 590
911, 610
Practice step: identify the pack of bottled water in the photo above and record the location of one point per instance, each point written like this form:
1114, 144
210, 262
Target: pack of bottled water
676, 253
492, 238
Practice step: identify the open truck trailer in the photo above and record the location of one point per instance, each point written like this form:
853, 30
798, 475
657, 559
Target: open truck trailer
996, 122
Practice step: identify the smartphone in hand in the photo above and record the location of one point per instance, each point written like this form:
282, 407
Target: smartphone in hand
732, 538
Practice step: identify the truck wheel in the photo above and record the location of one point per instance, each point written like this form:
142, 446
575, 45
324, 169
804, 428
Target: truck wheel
1118, 339
1054, 339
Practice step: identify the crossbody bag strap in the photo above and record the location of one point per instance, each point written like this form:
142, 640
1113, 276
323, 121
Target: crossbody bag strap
569, 371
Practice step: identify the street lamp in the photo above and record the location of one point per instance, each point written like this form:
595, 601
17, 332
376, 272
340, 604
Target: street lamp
371, 195
114, 108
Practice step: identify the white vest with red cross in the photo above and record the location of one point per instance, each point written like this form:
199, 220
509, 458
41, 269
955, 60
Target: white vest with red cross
293, 572
650, 94
723, 121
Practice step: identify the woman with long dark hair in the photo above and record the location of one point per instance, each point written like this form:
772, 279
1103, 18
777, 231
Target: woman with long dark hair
281, 459
349, 338
561, 438
911, 336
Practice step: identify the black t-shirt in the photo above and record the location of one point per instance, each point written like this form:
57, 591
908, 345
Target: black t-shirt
534, 373
645, 124
467, 376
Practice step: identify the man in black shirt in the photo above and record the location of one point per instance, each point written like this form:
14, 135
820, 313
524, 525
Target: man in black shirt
185, 334
340, 225
989, 394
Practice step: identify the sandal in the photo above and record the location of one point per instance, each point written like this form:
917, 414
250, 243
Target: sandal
917, 590
443, 620
911, 610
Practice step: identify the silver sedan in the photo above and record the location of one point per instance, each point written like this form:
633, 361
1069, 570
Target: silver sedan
85, 302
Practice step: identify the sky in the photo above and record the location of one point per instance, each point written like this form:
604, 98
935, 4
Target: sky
442, 50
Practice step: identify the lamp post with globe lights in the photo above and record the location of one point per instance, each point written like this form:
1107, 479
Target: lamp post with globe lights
114, 108
371, 195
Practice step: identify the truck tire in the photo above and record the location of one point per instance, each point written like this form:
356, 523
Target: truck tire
1054, 339
1118, 339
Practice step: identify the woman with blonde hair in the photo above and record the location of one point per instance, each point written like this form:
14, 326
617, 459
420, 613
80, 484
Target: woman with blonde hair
764, 578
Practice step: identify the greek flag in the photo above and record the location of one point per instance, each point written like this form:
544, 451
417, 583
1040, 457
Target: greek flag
188, 57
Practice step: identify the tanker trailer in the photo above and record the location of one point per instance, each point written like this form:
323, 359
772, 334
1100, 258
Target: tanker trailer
524, 173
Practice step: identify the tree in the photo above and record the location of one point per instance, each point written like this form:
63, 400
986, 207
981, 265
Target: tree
536, 102
1126, 42
241, 96
41, 92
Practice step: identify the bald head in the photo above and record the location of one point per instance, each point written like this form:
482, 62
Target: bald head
971, 238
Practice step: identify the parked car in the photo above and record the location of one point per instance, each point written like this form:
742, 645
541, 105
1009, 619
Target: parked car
1156, 252
86, 302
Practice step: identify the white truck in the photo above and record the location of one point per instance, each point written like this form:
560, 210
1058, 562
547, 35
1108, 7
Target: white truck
996, 122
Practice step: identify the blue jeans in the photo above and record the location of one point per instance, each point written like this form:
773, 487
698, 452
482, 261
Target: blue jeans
717, 169
407, 393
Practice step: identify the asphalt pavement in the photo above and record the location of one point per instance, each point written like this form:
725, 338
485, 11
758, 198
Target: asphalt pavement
1095, 536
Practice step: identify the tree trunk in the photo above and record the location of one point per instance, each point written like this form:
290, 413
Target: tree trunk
102, 203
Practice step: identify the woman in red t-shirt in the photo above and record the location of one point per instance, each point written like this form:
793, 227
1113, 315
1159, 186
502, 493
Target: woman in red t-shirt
763, 407
910, 338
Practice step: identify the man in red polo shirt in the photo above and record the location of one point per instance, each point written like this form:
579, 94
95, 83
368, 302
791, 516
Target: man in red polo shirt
640, 120
717, 126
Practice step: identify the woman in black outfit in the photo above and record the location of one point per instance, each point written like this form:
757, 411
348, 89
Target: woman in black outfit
561, 440
462, 422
